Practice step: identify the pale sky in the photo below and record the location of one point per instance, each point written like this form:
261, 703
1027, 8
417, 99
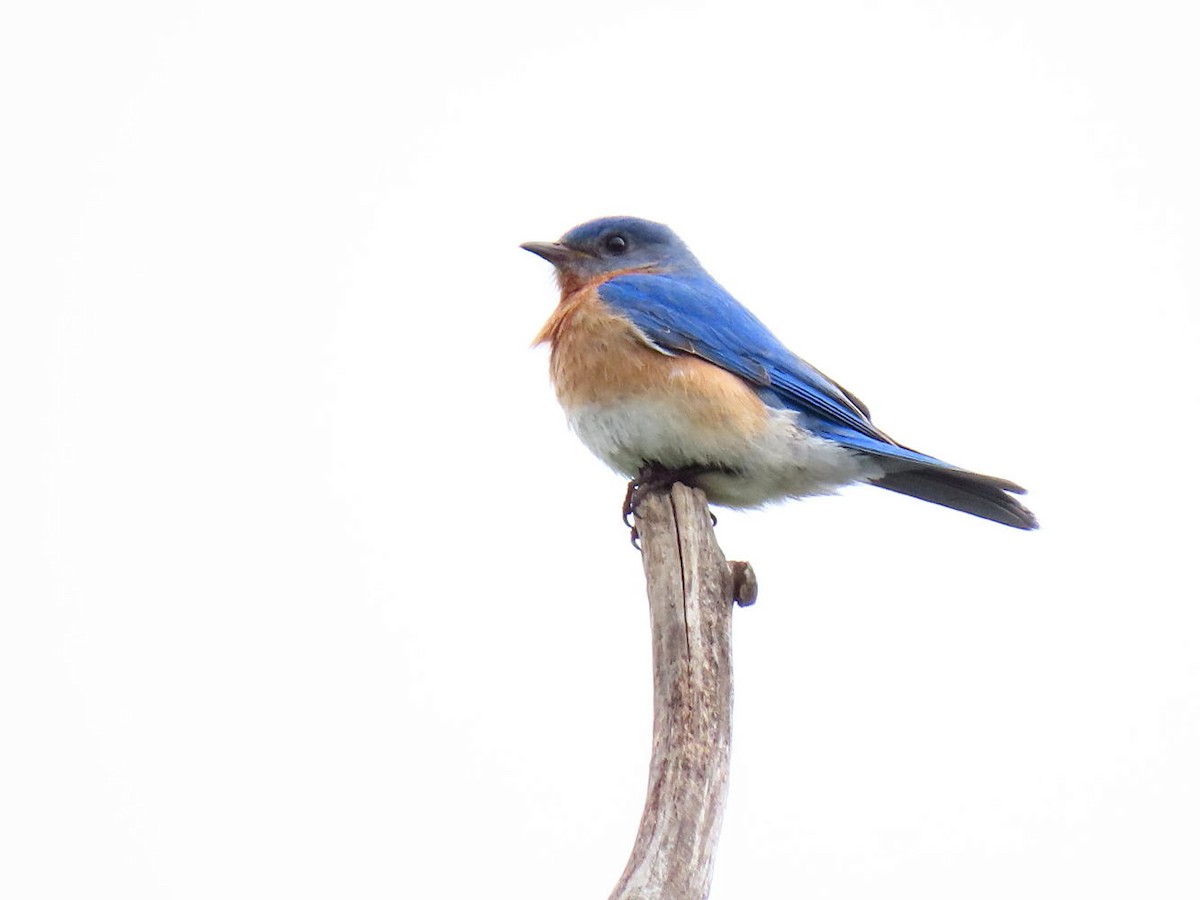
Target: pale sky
310, 593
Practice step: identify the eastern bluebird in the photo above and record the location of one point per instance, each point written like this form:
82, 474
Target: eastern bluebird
665, 377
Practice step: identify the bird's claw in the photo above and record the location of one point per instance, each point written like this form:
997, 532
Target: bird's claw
651, 478
629, 507
635, 492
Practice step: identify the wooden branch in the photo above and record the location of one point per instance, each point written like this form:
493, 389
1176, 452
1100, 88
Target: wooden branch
692, 590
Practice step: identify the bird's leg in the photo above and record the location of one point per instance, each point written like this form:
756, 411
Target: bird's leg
654, 477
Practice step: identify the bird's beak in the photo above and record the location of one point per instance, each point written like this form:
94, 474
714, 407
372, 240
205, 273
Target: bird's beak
556, 253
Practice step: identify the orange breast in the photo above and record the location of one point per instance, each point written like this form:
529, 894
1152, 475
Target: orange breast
600, 358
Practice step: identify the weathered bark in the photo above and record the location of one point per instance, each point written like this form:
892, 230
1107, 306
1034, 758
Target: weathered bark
692, 590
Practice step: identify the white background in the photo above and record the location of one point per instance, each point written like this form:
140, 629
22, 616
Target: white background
307, 591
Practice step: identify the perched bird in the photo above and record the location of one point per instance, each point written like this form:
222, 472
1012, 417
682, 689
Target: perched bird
666, 377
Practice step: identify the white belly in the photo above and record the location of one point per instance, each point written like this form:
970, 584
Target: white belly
780, 461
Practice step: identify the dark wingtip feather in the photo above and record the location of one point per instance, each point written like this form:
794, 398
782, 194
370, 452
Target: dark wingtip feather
979, 495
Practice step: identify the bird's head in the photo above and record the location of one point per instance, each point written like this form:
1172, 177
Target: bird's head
604, 247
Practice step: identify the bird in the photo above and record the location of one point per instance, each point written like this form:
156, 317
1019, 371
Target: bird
666, 377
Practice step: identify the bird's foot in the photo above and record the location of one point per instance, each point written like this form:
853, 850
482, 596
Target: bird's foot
652, 478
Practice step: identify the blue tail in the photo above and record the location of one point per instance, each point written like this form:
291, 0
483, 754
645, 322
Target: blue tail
926, 478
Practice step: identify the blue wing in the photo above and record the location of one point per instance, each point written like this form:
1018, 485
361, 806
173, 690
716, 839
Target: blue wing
691, 313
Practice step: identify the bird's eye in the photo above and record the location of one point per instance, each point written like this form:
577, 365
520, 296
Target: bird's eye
615, 244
